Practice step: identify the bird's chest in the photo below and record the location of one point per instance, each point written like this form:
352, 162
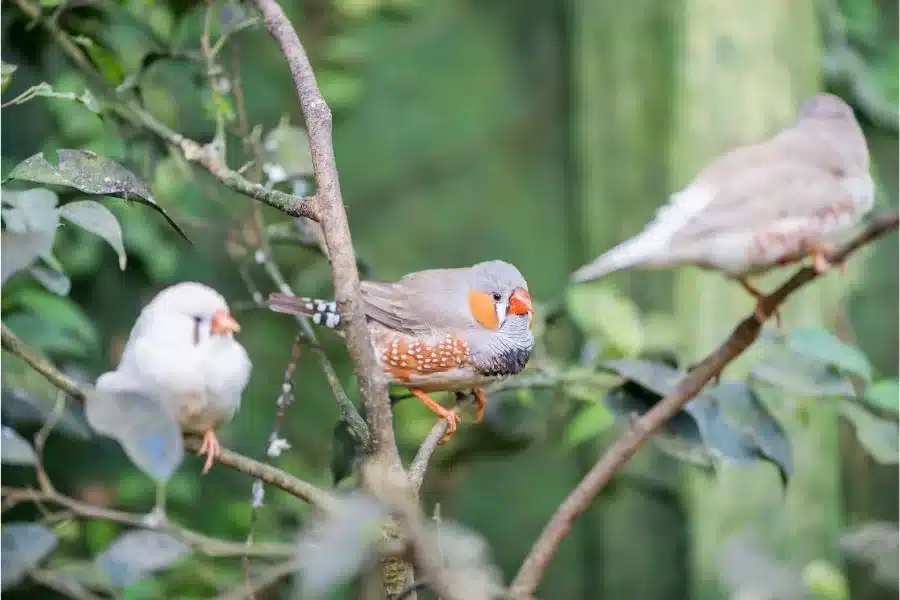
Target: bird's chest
433, 362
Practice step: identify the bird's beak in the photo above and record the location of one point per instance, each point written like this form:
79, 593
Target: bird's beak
520, 302
223, 322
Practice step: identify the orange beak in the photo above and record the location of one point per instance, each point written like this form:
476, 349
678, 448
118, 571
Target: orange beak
223, 322
520, 302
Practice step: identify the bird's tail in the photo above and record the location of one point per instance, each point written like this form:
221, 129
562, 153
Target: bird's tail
322, 312
629, 253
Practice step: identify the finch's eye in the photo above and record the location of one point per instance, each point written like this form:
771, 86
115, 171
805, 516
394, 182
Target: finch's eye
197, 322
497, 296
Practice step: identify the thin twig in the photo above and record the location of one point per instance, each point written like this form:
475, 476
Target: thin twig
746, 332
419, 464
201, 543
272, 476
267, 579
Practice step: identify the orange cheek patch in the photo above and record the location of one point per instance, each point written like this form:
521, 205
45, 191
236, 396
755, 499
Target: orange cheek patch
482, 307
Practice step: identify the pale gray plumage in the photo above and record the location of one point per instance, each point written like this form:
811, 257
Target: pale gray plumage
173, 356
760, 205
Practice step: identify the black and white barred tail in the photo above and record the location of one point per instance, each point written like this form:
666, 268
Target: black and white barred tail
322, 312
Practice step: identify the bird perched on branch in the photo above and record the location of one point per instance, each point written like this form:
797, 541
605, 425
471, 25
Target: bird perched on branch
441, 329
182, 352
761, 206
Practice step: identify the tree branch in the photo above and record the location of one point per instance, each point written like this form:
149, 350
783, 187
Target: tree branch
272, 476
419, 464
578, 500
333, 219
201, 543
206, 156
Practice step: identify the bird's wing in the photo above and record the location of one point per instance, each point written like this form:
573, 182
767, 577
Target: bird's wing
419, 303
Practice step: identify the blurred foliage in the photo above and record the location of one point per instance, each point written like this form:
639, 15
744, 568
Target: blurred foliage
446, 130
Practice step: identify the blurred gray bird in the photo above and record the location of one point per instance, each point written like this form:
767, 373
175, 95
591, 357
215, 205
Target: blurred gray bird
441, 329
763, 205
182, 353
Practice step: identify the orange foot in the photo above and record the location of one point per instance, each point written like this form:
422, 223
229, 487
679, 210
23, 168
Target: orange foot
819, 253
759, 298
211, 448
448, 415
480, 403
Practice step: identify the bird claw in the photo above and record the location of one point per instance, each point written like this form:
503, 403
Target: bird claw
211, 448
819, 253
480, 404
452, 419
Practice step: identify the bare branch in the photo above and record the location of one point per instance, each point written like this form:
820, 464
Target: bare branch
578, 500
333, 219
419, 464
272, 476
201, 543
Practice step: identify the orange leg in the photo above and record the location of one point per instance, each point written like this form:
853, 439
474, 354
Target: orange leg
211, 448
480, 403
448, 415
819, 253
759, 296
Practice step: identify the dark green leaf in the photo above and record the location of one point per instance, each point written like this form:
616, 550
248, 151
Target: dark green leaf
100, 221
876, 545
602, 312
29, 399
801, 375
884, 394
743, 410
6, 73
340, 543
92, 174
55, 281
104, 59
20, 250
62, 313
878, 436
14, 449
138, 554
24, 546
657, 377
821, 345
148, 434
588, 423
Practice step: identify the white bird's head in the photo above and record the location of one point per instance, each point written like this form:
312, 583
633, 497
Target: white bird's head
194, 311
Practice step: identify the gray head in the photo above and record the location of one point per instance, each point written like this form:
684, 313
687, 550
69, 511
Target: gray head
192, 312
825, 106
498, 294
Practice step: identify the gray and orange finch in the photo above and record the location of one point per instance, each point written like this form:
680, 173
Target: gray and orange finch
182, 353
441, 329
761, 206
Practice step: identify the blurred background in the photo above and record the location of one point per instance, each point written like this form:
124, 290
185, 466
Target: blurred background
538, 132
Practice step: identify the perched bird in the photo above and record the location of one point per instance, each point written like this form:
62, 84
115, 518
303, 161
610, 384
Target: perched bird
182, 352
761, 206
441, 329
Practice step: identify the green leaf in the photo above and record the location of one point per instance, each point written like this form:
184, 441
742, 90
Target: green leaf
601, 312
6, 73
801, 375
92, 174
149, 435
52, 279
14, 449
61, 313
821, 345
100, 221
20, 250
139, 553
657, 377
30, 210
25, 545
104, 59
878, 436
884, 394
588, 423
